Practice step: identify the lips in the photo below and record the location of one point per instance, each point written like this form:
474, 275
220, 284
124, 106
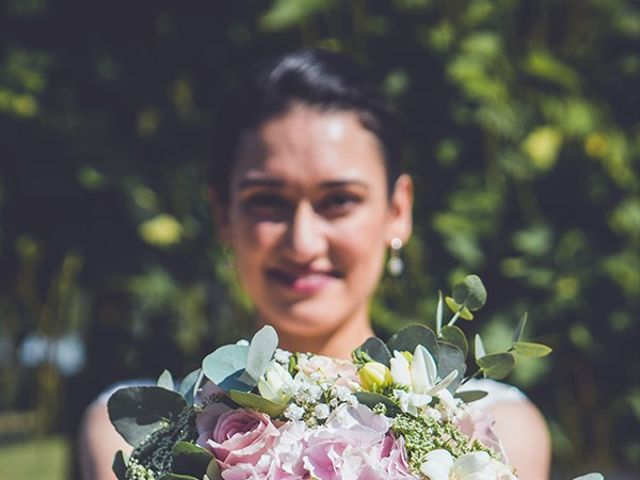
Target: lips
302, 281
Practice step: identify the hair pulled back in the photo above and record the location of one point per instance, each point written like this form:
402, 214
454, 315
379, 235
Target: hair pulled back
313, 77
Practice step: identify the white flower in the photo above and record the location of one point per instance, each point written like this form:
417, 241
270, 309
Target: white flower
420, 377
282, 356
440, 465
274, 385
293, 412
321, 411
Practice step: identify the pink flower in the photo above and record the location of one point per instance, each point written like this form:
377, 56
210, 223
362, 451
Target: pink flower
478, 425
342, 372
347, 446
240, 439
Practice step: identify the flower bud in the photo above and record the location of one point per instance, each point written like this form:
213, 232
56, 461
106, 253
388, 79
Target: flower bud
273, 384
375, 376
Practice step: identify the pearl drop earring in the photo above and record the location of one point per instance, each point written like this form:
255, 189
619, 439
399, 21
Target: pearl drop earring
395, 265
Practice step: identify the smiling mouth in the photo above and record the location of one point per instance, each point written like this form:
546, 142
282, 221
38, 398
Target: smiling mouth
302, 282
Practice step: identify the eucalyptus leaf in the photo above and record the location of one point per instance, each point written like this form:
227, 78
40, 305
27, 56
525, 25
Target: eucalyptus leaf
496, 365
461, 310
263, 346
136, 412
407, 339
470, 292
165, 380
479, 350
377, 350
590, 476
448, 359
531, 349
189, 459
439, 313
468, 396
256, 402
517, 333
372, 399
188, 385
455, 336
119, 465
225, 365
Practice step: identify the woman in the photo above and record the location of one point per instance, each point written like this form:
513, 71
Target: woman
309, 196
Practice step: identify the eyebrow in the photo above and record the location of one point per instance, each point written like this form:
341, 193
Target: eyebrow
246, 183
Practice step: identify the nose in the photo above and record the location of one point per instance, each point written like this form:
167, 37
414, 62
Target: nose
305, 238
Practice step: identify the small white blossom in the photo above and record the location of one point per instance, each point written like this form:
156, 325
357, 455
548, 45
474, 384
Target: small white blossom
321, 411
293, 412
282, 356
243, 343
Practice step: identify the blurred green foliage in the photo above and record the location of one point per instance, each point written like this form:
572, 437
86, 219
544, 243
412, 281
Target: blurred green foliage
523, 137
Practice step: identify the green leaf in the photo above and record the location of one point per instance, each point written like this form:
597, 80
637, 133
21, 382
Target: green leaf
119, 465
517, 333
136, 412
531, 349
448, 359
470, 292
479, 350
263, 346
496, 365
455, 336
165, 380
213, 471
189, 459
590, 476
407, 339
377, 350
372, 399
439, 313
225, 366
465, 313
188, 385
468, 396
256, 402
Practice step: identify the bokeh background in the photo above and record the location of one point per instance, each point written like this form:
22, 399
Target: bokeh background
522, 133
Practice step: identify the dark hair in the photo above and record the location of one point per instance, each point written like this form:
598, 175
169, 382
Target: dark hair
315, 77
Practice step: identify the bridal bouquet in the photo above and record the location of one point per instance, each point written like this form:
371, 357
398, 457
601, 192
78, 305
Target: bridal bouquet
254, 411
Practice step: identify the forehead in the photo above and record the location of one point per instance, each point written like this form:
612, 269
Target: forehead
306, 145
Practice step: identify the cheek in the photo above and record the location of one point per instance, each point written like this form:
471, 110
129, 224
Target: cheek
254, 241
361, 243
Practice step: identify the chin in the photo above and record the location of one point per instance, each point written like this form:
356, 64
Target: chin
304, 321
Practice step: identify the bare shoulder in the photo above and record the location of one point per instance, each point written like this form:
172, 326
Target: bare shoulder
525, 436
97, 443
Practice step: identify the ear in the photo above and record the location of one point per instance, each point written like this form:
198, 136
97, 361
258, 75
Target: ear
401, 210
220, 214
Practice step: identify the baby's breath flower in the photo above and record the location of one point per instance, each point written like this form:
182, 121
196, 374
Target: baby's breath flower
294, 412
321, 411
282, 356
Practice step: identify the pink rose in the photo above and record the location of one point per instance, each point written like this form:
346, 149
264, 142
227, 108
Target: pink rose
238, 438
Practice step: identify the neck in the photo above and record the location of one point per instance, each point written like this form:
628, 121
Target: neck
338, 343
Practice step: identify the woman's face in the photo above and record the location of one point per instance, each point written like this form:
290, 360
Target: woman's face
309, 219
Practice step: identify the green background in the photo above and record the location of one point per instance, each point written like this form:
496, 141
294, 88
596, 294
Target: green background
522, 134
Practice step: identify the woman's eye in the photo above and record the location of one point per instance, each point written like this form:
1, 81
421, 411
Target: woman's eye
338, 204
262, 203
